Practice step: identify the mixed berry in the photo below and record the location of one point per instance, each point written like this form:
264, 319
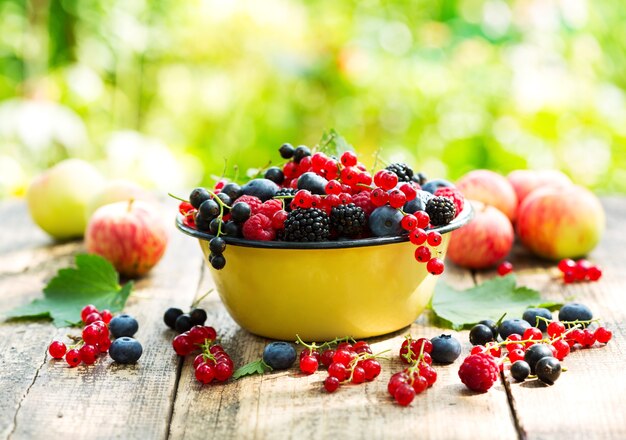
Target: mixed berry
316, 197
532, 347
578, 271
95, 339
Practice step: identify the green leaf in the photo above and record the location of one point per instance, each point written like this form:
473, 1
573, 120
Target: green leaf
489, 300
256, 367
334, 144
93, 281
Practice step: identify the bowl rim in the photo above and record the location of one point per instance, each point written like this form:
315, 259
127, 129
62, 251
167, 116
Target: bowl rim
461, 220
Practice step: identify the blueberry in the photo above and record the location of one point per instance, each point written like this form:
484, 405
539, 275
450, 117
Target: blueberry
510, 326
534, 353
275, 174
279, 355
312, 182
183, 323
492, 325
446, 349
480, 334
530, 316
418, 203
240, 212
548, 369
575, 312
385, 222
171, 315
209, 209
217, 245
217, 261
264, 189
125, 350
300, 153
198, 316
232, 190
198, 196
433, 185
123, 325
286, 151
520, 370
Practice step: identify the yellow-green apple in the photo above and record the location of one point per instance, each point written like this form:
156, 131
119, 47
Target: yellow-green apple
526, 181
561, 222
118, 190
131, 235
490, 188
484, 241
57, 198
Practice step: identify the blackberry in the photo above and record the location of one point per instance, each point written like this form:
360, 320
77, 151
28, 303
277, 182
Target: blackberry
348, 220
441, 211
307, 225
402, 170
286, 192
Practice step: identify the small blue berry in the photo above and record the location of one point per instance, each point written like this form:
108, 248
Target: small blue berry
125, 350
279, 355
446, 349
123, 325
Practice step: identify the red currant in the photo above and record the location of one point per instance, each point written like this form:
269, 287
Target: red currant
562, 349
88, 354
388, 180
72, 357
409, 191
505, 268
278, 219
349, 159
333, 187
205, 373
345, 198
566, 264
581, 268
420, 384
372, 369
318, 160
106, 316
417, 345
404, 394
603, 335
303, 199
365, 178
423, 219
87, 310
422, 254
477, 349
429, 374
379, 197
588, 338
435, 266
418, 236
198, 360
290, 170
434, 238
343, 356
594, 273
516, 355
198, 334
555, 328
57, 349
326, 357
331, 384
362, 347
575, 336
396, 380
350, 176
223, 371
104, 344
92, 334
532, 333
338, 370
397, 199
569, 276
358, 375
409, 222
308, 364
182, 345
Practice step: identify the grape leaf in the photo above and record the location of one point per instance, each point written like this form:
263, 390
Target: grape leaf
93, 281
489, 300
256, 367
334, 144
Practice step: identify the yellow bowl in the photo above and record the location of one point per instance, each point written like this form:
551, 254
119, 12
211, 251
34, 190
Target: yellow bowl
359, 288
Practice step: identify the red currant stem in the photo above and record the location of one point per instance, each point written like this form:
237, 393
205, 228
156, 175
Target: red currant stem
73, 338
365, 186
499, 321
402, 211
415, 365
177, 198
197, 301
376, 158
325, 345
409, 354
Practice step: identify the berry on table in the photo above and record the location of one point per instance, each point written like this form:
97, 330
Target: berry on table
575, 312
535, 353
279, 355
548, 370
57, 349
125, 350
479, 372
480, 334
537, 317
512, 326
331, 383
404, 394
445, 349
603, 335
123, 325
88, 354
505, 268
86, 311
72, 357
520, 370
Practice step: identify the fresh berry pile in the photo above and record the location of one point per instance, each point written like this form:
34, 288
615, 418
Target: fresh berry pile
314, 197
532, 346
182, 322
95, 339
212, 363
577, 271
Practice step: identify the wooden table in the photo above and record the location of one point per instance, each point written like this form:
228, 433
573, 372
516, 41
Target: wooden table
160, 398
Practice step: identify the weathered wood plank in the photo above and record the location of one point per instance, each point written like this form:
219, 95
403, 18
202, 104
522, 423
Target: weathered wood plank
290, 405
101, 401
588, 399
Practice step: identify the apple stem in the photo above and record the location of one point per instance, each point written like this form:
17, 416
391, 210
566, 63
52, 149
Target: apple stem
130, 204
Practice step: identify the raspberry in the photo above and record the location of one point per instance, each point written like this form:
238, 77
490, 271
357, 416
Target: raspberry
362, 200
479, 372
270, 207
254, 202
258, 227
454, 195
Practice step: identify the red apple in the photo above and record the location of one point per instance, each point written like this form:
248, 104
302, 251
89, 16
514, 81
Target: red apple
131, 235
490, 188
526, 181
561, 222
484, 241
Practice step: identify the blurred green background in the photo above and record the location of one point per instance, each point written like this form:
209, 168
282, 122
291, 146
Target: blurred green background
164, 91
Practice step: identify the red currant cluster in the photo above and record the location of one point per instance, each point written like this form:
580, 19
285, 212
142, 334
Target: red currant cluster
581, 270
419, 376
348, 361
188, 212
213, 363
94, 341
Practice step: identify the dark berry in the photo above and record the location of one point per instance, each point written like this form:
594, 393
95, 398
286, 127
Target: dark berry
441, 211
492, 325
198, 196
510, 326
279, 355
286, 192
312, 182
226, 200
275, 174
480, 334
170, 316
300, 153
198, 316
216, 225
209, 209
202, 224
286, 151
548, 369
433, 185
310, 224
418, 203
348, 220
217, 261
232, 190
446, 349
264, 189
530, 316
240, 212
404, 173
217, 245
575, 312
183, 323
520, 370
123, 325
534, 353
125, 350
231, 229
386, 221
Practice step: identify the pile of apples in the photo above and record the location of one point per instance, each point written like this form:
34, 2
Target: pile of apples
552, 217
120, 220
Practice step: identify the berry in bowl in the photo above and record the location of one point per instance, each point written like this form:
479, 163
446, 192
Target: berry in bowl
319, 247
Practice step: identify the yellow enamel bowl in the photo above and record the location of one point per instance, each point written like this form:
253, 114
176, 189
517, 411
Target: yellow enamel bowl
361, 288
